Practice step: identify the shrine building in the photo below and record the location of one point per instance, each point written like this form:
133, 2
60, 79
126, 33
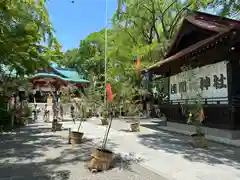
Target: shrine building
203, 63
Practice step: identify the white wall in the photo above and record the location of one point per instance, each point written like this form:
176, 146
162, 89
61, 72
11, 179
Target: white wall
192, 77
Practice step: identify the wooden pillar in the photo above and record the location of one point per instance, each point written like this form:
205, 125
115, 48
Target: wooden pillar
233, 76
169, 85
150, 106
231, 94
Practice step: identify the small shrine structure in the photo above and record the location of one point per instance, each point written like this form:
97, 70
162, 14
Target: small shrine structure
50, 80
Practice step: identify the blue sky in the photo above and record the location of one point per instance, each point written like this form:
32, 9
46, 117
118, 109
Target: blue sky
75, 21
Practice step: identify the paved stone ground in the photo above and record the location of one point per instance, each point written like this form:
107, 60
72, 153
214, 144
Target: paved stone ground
34, 152
172, 155
37, 153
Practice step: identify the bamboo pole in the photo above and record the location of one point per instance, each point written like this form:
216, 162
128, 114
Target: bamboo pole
107, 129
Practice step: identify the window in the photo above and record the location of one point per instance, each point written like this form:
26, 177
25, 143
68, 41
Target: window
183, 87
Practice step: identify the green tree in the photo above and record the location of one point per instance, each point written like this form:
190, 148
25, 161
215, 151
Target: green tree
26, 45
139, 27
223, 8
24, 27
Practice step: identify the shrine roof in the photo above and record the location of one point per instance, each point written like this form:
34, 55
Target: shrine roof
201, 22
51, 75
187, 50
67, 72
217, 29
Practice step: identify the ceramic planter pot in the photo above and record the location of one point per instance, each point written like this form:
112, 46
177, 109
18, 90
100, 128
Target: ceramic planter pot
199, 140
29, 120
75, 137
104, 121
58, 126
135, 127
101, 160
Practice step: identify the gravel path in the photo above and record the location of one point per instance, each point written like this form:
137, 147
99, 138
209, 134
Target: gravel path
36, 153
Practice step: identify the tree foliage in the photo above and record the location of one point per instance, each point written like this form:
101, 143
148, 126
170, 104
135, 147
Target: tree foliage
230, 8
139, 27
25, 26
27, 44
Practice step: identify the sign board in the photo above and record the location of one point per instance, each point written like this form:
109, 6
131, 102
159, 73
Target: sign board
209, 82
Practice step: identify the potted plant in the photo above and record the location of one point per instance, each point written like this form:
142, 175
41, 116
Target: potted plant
135, 127
194, 111
102, 157
133, 110
56, 126
196, 117
75, 137
132, 105
104, 117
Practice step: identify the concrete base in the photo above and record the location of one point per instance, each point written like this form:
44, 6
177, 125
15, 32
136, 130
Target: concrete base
229, 134
218, 135
132, 117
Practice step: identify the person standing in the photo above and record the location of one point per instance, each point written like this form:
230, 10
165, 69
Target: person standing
73, 113
36, 111
61, 111
46, 113
55, 106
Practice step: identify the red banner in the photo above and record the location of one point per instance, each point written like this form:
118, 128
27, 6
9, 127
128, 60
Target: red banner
109, 92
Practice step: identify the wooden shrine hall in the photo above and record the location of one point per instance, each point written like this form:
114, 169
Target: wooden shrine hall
210, 45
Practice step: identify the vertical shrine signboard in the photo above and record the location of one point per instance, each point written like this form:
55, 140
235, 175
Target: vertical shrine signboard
209, 81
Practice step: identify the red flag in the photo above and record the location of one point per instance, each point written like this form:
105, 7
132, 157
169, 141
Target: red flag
109, 92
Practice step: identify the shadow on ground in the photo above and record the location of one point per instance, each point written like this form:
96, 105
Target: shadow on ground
126, 130
125, 161
26, 143
179, 144
34, 152
22, 154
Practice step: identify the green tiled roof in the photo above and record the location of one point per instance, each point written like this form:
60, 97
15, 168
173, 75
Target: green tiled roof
51, 75
68, 73
65, 74
46, 75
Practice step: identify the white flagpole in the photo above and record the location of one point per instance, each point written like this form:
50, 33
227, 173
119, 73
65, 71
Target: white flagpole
105, 60
106, 52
